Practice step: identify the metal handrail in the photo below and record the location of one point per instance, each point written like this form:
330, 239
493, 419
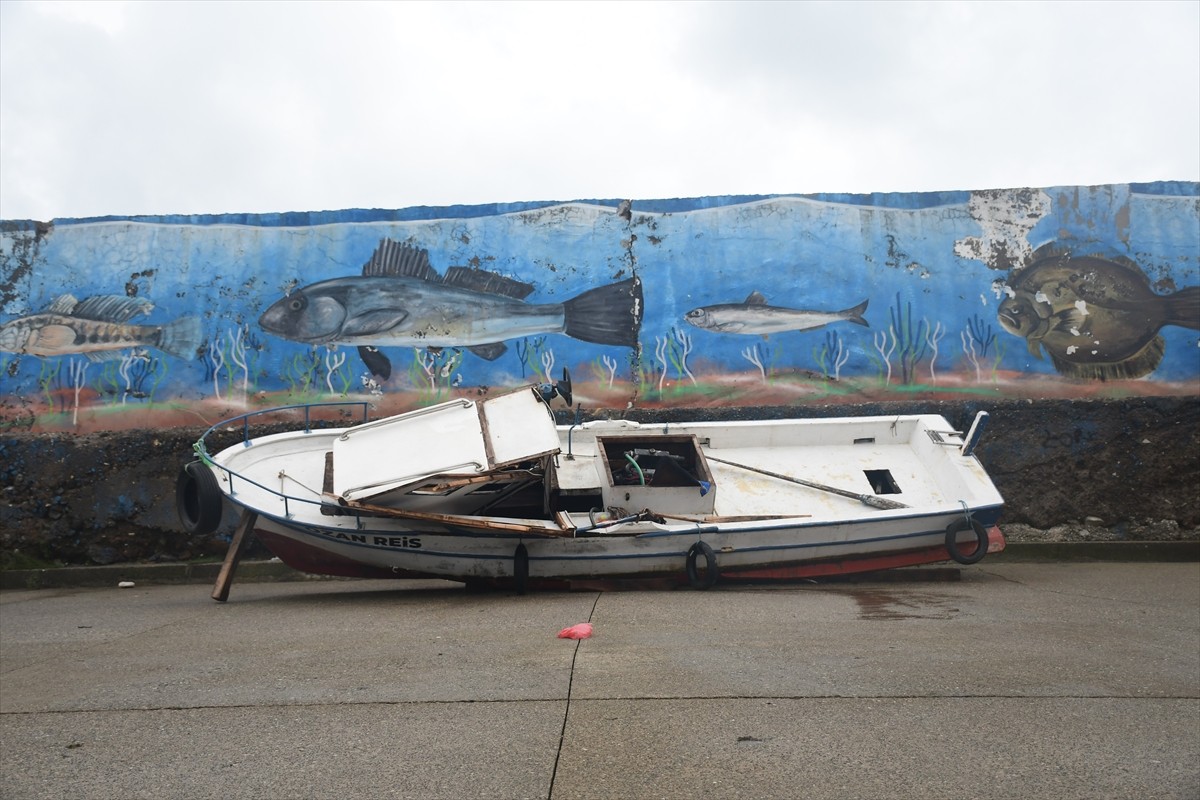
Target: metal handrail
201, 446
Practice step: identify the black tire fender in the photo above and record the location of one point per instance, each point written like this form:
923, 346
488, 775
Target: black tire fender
710, 566
198, 499
521, 569
981, 540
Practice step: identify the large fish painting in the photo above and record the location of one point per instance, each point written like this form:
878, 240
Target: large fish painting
755, 317
1096, 318
99, 328
401, 301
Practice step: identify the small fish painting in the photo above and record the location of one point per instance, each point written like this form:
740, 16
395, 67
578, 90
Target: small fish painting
401, 301
755, 317
99, 329
1097, 318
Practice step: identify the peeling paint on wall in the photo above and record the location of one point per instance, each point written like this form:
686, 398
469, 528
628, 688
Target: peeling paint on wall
1007, 216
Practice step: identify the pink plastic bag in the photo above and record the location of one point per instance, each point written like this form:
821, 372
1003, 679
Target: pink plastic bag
581, 631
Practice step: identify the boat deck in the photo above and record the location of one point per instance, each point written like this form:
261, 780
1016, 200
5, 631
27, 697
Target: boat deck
905, 462
514, 496
742, 492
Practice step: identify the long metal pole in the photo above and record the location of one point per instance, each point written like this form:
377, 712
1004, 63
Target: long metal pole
871, 500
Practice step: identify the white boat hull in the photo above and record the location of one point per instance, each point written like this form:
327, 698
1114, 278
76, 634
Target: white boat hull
404, 551
756, 520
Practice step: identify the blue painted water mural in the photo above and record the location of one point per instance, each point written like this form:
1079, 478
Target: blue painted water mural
932, 267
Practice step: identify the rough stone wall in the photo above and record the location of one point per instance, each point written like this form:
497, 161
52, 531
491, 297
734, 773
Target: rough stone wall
1130, 467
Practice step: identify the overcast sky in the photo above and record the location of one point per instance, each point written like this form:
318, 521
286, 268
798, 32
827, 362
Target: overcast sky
213, 107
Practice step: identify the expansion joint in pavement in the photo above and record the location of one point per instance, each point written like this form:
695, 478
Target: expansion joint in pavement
567, 711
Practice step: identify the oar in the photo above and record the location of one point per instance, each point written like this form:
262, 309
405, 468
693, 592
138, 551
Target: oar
867, 499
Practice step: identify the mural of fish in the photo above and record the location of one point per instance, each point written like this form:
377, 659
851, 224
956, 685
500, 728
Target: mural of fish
401, 301
754, 316
1097, 318
99, 329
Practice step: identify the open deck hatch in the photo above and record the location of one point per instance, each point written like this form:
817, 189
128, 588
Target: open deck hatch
666, 473
881, 481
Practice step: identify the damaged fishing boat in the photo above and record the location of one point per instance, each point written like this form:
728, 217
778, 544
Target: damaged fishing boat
493, 491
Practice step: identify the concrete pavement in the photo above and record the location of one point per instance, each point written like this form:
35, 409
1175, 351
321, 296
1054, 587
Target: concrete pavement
1021, 680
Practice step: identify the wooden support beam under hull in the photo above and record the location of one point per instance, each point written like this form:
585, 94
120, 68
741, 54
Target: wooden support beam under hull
233, 555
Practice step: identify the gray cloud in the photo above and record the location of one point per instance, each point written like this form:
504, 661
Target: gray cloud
149, 108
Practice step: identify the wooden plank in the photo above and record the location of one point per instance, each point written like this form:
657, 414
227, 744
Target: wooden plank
233, 555
446, 483
486, 434
329, 504
495, 525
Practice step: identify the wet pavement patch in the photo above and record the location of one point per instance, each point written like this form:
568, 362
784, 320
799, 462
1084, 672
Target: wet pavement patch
876, 604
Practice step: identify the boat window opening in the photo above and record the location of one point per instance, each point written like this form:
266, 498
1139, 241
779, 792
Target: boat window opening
881, 481
865, 440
